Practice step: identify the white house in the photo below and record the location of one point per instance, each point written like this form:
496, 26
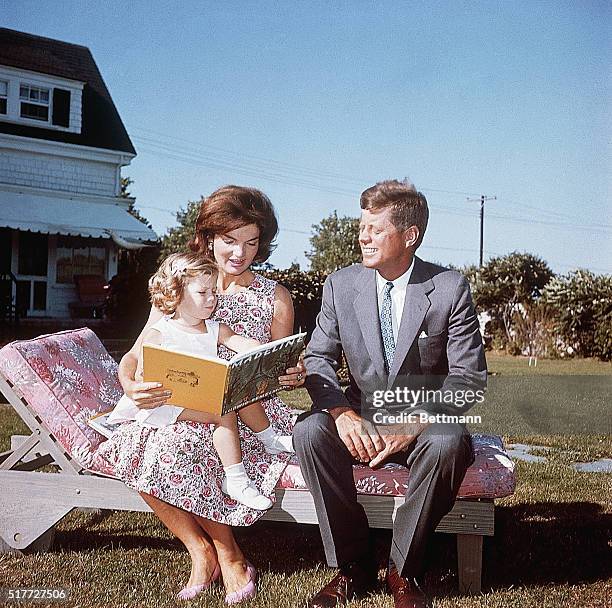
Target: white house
62, 146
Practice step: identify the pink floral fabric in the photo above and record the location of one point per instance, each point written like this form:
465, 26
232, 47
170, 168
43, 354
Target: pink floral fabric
66, 378
490, 476
178, 463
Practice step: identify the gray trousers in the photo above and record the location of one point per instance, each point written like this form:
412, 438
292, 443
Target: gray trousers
437, 459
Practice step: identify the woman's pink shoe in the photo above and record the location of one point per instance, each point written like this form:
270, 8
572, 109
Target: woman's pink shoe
247, 592
188, 593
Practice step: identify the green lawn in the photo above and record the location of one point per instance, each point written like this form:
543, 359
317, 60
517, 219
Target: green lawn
551, 547
499, 363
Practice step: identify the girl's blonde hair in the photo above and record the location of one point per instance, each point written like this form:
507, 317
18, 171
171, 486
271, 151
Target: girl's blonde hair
167, 285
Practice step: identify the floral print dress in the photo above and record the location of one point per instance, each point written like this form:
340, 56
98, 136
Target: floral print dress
178, 463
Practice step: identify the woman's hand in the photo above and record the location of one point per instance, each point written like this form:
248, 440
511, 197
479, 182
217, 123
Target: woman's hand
282, 326
147, 395
294, 376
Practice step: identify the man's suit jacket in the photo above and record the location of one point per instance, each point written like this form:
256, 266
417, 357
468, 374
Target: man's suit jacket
438, 338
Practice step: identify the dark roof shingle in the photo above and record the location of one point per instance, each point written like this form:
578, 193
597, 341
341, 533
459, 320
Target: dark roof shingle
101, 124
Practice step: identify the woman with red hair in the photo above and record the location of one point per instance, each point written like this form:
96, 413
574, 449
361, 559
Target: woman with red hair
175, 468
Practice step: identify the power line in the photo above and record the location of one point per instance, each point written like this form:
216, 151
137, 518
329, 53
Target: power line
245, 170
516, 220
552, 214
267, 161
284, 178
195, 147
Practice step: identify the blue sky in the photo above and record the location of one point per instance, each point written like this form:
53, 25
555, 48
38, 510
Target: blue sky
313, 101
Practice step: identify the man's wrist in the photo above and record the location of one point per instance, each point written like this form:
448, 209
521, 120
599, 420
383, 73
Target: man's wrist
335, 412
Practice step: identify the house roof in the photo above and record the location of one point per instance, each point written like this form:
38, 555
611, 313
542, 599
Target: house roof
101, 124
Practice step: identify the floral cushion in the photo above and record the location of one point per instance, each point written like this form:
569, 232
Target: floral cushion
490, 476
65, 378
68, 377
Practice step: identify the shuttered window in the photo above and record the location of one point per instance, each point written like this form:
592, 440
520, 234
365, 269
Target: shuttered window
3, 96
61, 108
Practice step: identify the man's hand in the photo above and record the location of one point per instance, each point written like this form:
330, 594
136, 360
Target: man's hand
147, 395
294, 376
358, 435
397, 438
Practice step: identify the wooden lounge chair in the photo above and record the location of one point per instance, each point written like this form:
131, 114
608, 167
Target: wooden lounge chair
57, 382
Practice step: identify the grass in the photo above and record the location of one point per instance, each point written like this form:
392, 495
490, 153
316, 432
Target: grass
551, 546
500, 363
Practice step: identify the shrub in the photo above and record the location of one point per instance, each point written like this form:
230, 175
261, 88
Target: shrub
582, 302
507, 286
334, 243
306, 289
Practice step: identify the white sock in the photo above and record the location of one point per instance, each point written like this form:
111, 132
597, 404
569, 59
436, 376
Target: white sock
238, 485
236, 475
275, 443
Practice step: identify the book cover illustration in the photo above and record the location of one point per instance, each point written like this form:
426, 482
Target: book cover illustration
218, 386
255, 376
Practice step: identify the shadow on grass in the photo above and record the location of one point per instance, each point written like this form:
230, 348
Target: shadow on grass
549, 543
100, 529
534, 544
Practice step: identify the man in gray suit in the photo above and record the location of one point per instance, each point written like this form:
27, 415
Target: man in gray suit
398, 320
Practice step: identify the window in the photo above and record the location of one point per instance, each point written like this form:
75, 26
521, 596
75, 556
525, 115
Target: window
33, 252
34, 102
76, 255
43, 101
3, 96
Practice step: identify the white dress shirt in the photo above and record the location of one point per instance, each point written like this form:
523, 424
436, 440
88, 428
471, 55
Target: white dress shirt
398, 297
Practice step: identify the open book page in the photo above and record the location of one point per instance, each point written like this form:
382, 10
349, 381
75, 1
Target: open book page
100, 423
267, 347
254, 374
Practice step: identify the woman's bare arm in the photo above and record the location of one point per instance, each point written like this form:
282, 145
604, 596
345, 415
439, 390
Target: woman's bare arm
233, 341
283, 316
282, 326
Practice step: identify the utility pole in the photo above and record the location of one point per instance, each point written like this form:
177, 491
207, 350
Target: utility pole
482, 200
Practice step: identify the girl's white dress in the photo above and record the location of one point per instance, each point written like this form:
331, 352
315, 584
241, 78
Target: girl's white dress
171, 337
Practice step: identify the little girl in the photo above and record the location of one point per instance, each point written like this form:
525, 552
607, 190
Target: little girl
184, 289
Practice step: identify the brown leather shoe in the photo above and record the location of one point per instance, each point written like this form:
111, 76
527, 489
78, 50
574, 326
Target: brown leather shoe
350, 583
406, 593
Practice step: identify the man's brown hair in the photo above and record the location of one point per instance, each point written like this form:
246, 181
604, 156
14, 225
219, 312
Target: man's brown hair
408, 205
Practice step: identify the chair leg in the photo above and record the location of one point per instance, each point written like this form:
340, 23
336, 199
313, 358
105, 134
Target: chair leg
21, 450
469, 557
41, 545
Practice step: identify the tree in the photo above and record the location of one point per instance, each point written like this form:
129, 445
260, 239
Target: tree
127, 300
126, 182
178, 237
507, 285
582, 302
335, 244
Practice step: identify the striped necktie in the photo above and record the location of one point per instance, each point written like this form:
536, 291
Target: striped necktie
386, 326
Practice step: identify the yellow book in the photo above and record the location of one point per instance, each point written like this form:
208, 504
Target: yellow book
218, 386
